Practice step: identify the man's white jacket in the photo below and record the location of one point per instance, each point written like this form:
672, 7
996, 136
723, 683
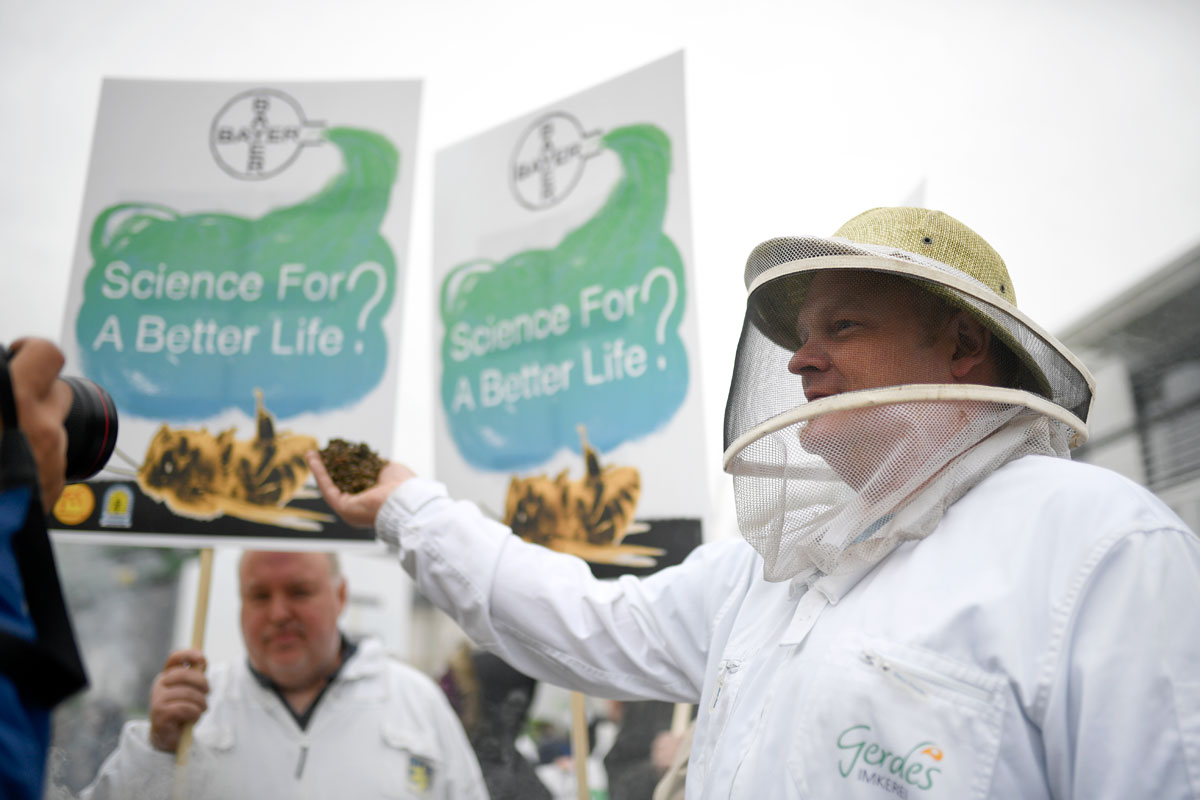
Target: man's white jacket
1043, 642
381, 730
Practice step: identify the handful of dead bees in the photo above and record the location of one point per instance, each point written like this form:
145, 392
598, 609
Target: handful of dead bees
353, 467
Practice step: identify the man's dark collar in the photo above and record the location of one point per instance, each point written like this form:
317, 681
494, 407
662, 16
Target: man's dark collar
348, 649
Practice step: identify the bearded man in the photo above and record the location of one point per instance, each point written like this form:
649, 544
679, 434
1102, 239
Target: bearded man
310, 713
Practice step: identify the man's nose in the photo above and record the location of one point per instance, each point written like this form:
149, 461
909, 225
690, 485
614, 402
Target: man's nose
278, 607
809, 357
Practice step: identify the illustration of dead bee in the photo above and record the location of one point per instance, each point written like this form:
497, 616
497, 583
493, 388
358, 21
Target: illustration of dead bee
588, 517
202, 476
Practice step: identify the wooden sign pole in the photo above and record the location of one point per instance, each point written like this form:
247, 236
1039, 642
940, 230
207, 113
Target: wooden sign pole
199, 622
579, 743
680, 718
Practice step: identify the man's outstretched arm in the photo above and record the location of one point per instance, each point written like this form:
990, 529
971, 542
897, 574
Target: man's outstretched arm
543, 611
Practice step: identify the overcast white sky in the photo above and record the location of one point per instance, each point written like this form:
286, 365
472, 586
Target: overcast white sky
1067, 133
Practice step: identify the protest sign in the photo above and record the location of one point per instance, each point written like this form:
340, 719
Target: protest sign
237, 289
568, 399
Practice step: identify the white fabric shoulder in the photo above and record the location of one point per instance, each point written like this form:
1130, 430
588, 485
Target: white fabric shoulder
1086, 491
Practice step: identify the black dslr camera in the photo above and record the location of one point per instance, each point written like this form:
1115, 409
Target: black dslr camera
91, 423
91, 429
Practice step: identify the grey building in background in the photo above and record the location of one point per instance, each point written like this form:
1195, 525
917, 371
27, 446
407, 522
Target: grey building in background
1144, 349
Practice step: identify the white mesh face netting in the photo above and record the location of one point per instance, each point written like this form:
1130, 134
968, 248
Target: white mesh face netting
836, 483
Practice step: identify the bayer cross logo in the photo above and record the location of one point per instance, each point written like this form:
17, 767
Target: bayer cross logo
549, 159
259, 133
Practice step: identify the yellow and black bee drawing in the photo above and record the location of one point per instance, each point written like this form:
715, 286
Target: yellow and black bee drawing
588, 517
202, 476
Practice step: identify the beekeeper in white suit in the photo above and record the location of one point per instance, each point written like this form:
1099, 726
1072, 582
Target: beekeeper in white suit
936, 602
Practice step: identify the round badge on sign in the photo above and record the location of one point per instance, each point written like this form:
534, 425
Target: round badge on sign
75, 504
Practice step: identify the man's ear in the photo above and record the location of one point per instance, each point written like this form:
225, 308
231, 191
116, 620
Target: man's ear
972, 342
341, 594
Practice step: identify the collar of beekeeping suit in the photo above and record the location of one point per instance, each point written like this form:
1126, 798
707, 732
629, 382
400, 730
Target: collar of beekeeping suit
839, 443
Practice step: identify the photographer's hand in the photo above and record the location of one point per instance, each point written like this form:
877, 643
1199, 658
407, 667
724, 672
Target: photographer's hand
42, 404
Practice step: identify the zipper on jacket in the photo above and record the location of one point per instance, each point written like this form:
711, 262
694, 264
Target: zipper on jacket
300, 763
727, 668
911, 678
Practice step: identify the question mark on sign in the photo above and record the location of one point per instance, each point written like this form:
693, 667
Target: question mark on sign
660, 330
380, 284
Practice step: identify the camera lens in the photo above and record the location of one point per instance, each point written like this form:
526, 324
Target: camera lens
91, 429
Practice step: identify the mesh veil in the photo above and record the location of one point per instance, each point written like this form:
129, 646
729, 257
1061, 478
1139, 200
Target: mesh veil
835, 483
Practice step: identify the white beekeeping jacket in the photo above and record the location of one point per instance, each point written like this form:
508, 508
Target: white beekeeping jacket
1041, 642
382, 729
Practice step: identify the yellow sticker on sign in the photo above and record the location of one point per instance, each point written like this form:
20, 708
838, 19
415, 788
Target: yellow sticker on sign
117, 510
75, 504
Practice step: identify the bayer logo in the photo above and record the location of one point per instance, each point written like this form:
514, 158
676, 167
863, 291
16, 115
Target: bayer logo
548, 160
259, 133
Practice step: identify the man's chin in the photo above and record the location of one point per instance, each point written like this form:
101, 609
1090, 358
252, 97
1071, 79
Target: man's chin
288, 674
282, 660
852, 442
830, 438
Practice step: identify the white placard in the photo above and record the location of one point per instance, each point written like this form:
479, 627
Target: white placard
564, 308
238, 242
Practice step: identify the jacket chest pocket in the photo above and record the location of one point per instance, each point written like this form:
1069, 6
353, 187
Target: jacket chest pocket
888, 720
413, 770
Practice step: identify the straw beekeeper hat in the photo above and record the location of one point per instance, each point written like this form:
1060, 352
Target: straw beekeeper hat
941, 255
934, 235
